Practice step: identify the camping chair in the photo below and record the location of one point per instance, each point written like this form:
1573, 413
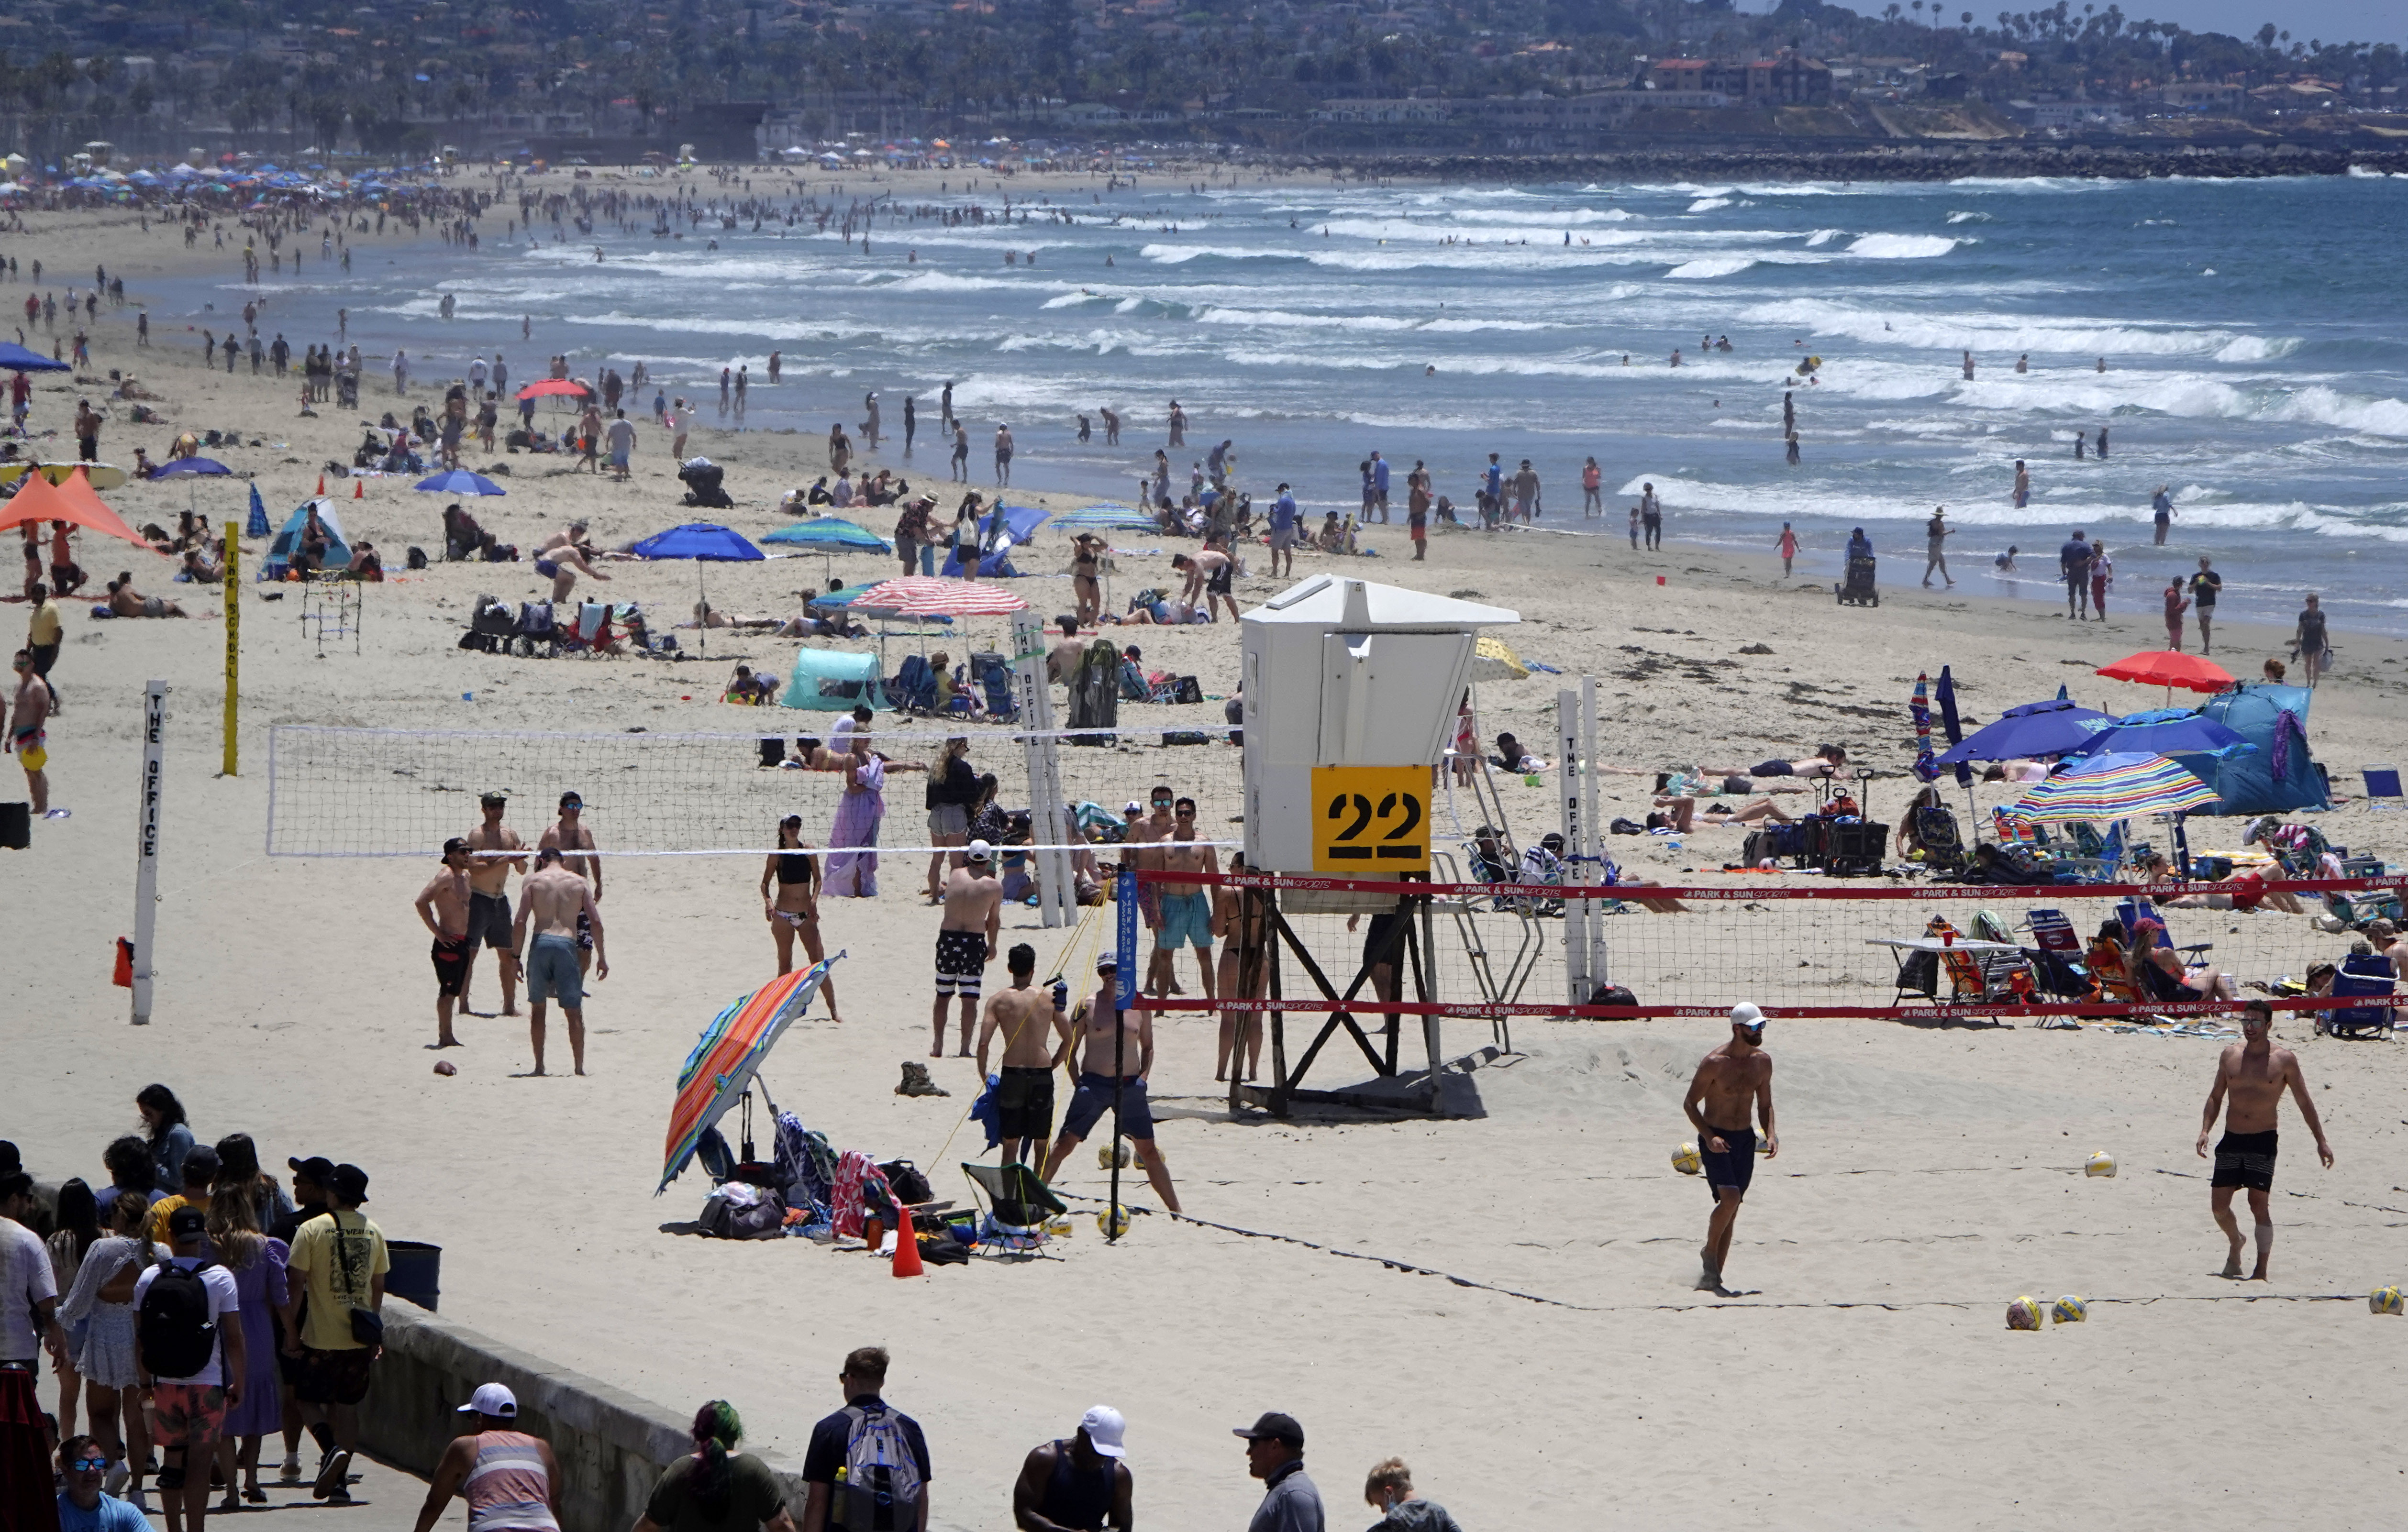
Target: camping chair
994, 677
1014, 1205
2366, 975
2356, 909
1935, 830
537, 633
2383, 787
2088, 842
2109, 982
592, 635
2059, 961
2131, 912
1981, 976
914, 687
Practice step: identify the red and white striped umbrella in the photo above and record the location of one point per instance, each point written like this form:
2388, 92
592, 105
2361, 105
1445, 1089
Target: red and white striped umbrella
922, 596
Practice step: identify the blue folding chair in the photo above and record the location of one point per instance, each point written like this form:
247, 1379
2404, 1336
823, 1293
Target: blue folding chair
2383, 787
2365, 976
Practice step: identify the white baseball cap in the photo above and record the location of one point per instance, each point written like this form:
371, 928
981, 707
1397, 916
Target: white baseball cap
978, 850
494, 1399
1105, 1429
1746, 1014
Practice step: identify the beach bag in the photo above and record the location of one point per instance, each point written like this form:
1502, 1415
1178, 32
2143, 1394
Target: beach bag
1613, 994
882, 1485
174, 1332
1186, 689
908, 1185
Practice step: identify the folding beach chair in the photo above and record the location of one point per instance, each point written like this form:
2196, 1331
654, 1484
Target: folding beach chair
915, 686
1014, 1205
1936, 831
994, 679
2383, 787
2367, 975
2059, 961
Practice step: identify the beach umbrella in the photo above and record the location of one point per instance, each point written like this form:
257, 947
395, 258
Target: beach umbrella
727, 1056
925, 596
460, 482
206, 467
73, 502
2036, 728
551, 388
257, 525
830, 534
1492, 661
2170, 669
705, 542
2106, 788
1000, 531
16, 358
1918, 710
1106, 517
2185, 734
1946, 697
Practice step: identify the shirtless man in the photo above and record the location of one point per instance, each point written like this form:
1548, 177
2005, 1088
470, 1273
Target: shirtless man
1155, 828
562, 558
2251, 1077
27, 732
1101, 1052
557, 905
568, 836
1238, 919
443, 905
489, 901
965, 941
1731, 1082
1030, 1021
1186, 908
1208, 575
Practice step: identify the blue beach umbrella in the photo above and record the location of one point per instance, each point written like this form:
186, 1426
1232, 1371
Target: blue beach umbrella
460, 482
205, 466
704, 542
2034, 729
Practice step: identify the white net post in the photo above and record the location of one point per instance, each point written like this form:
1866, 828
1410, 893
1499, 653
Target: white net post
145, 865
1593, 847
1056, 898
1576, 831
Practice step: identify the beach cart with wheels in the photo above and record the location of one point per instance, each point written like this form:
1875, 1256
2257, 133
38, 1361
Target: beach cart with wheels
1857, 588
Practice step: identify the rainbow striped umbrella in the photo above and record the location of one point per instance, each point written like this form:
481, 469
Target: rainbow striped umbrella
724, 1059
2106, 788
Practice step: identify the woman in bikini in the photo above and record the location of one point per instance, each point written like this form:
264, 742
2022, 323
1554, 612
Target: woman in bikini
1086, 565
794, 910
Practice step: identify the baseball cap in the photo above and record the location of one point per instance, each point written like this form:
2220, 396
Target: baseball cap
317, 1168
494, 1399
457, 843
350, 1183
200, 1165
1108, 963
1273, 1426
184, 1222
572, 798
978, 850
1132, 807
496, 797
1105, 1429
1746, 1014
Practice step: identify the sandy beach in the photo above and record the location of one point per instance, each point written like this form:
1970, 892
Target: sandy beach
1570, 1374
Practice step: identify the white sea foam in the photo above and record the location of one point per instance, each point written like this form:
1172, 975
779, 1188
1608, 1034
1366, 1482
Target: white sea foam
1707, 204
1969, 218
1902, 246
1988, 332
1821, 237
2256, 348
1712, 266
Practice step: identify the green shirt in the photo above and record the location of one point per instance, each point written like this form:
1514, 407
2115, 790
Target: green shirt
755, 1496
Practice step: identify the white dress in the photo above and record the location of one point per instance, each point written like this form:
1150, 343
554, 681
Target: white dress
106, 1355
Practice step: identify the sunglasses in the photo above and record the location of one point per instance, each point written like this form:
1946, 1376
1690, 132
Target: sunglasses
89, 1464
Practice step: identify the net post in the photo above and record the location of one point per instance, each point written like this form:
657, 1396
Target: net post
1576, 844
233, 645
146, 851
1595, 847
1042, 753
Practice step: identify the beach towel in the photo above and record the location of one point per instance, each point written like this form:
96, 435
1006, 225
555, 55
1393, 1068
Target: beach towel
853, 874
860, 1189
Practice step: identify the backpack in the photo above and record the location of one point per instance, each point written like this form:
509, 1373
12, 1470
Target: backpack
882, 1484
174, 1331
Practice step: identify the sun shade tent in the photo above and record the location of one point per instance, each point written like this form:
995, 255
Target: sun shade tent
832, 681
279, 552
74, 502
1020, 522
2279, 776
16, 358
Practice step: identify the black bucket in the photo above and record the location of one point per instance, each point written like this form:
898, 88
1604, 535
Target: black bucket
417, 1272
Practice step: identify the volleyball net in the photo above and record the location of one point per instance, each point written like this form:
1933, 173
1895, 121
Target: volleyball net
2069, 954
368, 792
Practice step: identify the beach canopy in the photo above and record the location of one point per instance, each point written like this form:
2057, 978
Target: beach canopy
2034, 729
829, 534
698, 540
16, 358
2170, 669
207, 467
833, 681
2279, 775
996, 543
460, 482
726, 1057
925, 596
288, 537
2164, 732
552, 388
1492, 661
2105, 788
74, 502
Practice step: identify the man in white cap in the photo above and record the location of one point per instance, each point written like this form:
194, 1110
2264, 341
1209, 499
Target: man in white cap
510, 1478
1078, 1485
1733, 1085
965, 941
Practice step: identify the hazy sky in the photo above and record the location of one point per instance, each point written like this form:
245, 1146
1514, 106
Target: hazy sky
2330, 20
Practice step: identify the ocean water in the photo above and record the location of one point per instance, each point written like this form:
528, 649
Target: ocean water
2254, 340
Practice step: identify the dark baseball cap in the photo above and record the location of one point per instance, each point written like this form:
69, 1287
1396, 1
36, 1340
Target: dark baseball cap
187, 1223
457, 843
350, 1183
200, 1164
496, 797
317, 1169
572, 799
1273, 1426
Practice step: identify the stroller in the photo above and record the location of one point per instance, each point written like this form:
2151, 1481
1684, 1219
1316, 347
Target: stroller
702, 485
1858, 589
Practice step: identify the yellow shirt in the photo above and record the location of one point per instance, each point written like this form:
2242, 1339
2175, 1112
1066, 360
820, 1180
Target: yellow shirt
164, 1208
336, 1281
44, 629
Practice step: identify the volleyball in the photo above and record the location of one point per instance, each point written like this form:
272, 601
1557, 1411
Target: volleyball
2024, 1314
1685, 1160
1114, 1222
2069, 1309
2384, 1300
1104, 1154
2100, 1164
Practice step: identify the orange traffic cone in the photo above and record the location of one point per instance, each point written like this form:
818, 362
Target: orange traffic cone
359, 489
322, 486
124, 977
907, 1245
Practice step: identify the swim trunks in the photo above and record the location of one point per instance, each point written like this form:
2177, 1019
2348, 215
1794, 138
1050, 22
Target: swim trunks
489, 917
1772, 769
2248, 888
546, 567
961, 963
2246, 1159
1282, 538
551, 971
1024, 1103
1149, 905
1219, 583
1186, 918
451, 964
1735, 1166
188, 1415
1093, 1100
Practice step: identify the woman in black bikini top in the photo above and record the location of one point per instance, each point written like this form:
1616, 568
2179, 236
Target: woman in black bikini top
794, 910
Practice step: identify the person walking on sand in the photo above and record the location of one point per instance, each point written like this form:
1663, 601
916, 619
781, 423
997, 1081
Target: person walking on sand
2073, 563
2103, 575
557, 907
1592, 489
1111, 1055
1035, 1040
2250, 1079
443, 905
1389, 1490
1788, 547
1651, 516
1936, 534
973, 903
1731, 1082
511, 1480
2315, 646
1082, 1485
2205, 586
489, 900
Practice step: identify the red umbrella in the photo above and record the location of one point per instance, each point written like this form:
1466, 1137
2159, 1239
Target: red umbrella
2169, 667
555, 388
74, 501
923, 596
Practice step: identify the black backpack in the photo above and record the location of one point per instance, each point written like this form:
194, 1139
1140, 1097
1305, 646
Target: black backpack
174, 1331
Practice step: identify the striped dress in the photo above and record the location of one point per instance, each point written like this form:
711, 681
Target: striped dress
509, 1487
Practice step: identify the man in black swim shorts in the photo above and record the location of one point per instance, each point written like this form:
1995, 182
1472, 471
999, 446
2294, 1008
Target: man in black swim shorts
2251, 1077
1731, 1089
443, 906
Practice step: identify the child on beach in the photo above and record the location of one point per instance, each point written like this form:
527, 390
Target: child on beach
1788, 548
2176, 603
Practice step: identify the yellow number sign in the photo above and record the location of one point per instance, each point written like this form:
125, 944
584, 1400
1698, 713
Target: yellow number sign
1371, 821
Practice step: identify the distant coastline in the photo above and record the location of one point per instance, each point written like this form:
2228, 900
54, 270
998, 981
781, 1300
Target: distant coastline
1923, 161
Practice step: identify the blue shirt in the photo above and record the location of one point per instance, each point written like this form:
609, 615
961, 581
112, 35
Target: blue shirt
1496, 479
1282, 516
2075, 558
1379, 474
110, 1515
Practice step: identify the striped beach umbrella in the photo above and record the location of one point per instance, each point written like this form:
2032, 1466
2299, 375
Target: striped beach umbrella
727, 1056
2105, 788
925, 596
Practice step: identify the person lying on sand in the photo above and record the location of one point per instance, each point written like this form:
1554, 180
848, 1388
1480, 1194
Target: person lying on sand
125, 601
1826, 762
202, 569
2246, 890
